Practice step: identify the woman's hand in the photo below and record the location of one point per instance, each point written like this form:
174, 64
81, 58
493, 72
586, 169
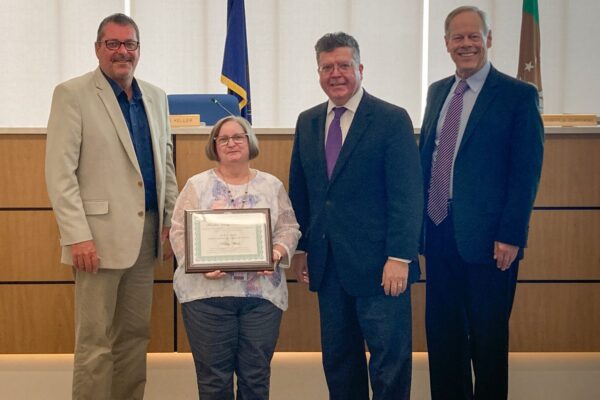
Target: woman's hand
277, 249
214, 274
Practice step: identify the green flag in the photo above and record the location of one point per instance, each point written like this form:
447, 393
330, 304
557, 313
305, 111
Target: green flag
529, 51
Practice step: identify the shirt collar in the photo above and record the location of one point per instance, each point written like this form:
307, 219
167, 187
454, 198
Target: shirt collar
351, 104
137, 93
477, 80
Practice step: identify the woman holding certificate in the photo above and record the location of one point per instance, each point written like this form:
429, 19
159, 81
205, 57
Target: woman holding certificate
232, 318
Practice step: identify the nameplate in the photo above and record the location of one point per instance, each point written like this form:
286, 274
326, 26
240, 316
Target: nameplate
183, 120
570, 119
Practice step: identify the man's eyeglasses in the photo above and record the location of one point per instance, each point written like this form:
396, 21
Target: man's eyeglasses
113, 44
224, 140
342, 67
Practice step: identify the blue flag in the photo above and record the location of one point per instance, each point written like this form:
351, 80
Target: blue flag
235, 73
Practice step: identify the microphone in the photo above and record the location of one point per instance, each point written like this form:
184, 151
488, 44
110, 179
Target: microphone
217, 102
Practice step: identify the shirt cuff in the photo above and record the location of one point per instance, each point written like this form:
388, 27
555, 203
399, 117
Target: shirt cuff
400, 259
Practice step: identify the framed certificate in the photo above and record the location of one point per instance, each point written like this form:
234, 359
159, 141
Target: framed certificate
228, 240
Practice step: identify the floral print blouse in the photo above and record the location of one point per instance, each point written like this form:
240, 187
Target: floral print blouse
207, 191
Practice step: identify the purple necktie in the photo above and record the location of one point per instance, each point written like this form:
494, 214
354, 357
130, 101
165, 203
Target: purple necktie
333, 145
439, 186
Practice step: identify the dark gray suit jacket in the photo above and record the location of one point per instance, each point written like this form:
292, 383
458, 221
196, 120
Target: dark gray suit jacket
497, 167
372, 206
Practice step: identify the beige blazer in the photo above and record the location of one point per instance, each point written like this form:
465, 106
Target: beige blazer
92, 173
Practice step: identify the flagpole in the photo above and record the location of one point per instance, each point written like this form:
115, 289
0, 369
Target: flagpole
529, 69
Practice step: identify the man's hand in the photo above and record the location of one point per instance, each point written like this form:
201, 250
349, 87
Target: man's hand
395, 277
300, 267
84, 256
167, 250
504, 254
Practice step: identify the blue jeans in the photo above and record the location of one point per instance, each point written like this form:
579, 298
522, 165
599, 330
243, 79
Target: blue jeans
232, 334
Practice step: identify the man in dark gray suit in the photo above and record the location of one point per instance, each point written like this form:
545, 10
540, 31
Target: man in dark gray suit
356, 189
481, 150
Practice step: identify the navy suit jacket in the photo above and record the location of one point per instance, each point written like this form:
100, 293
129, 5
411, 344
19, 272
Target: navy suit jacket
371, 208
497, 167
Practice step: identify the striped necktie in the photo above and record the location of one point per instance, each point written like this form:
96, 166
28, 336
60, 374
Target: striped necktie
439, 185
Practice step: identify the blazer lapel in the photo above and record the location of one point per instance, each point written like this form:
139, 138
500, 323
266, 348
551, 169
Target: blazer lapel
154, 133
107, 96
484, 100
437, 102
318, 130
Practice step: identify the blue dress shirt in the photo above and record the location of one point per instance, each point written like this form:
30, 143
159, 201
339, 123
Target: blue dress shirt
139, 130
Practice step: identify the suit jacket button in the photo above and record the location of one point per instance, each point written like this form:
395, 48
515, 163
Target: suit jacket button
324, 237
141, 213
140, 183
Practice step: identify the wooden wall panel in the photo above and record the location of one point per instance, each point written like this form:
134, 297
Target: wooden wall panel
300, 330
22, 171
549, 317
556, 317
563, 245
274, 156
183, 345
30, 249
571, 171
418, 316
38, 318
189, 157
164, 271
163, 319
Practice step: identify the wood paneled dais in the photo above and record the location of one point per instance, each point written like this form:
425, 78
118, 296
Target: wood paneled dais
29, 247
22, 171
274, 156
571, 171
556, 317
563, 245
39, 319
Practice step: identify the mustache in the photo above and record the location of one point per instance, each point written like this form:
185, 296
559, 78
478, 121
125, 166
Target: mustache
120, 57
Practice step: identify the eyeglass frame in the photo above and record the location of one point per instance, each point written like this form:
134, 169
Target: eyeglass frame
343, 67
124, 44
238, 138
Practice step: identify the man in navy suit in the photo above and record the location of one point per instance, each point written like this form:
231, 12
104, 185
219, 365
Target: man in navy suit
359, 210
481, 150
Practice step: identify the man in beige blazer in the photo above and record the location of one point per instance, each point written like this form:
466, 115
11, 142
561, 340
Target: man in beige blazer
111, 181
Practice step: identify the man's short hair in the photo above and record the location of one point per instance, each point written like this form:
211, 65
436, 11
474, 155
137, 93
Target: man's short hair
119, 19
484, 18
211, 145
331, 41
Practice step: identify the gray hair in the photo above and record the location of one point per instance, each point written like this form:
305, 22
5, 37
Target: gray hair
331, 41
118, 19
211, 146
482, 15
